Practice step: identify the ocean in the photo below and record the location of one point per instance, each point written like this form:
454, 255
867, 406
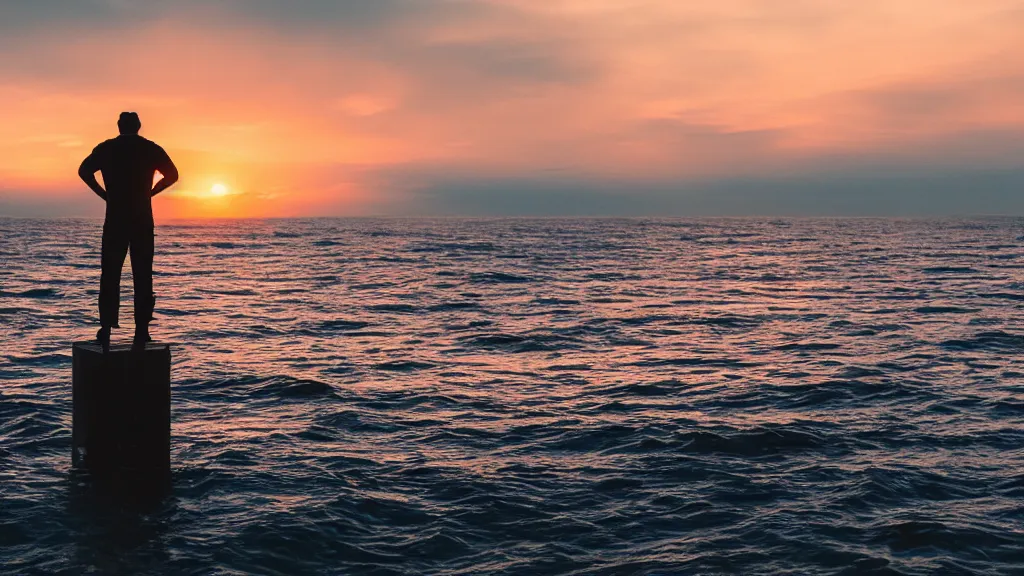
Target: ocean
552, 396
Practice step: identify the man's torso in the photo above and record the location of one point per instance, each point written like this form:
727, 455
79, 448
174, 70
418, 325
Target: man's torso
128, 165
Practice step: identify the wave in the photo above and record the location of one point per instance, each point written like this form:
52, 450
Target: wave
809, 346
665, 388
949, 270
404, 365
498, 278
729, 321
904, 537
1001, 295
517, 343
41, 360
34, 293
538, 397
449, 306
696, 361
278, 387
944, 310
997, 340
456, 246
393, 307
228, 291
339, 324
760, 441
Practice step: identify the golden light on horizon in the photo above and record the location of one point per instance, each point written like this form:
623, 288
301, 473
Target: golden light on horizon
218, 189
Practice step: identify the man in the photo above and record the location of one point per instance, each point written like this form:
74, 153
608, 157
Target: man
128, 164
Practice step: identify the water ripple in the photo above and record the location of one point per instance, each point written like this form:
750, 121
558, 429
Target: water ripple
649, 397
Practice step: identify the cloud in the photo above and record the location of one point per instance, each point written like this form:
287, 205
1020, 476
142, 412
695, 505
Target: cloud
337, 14
908, 193
332, 103
966, 101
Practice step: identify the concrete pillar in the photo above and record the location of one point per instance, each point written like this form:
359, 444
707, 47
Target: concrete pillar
121, 422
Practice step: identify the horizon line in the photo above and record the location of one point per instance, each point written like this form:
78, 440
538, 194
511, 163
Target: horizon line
554, 217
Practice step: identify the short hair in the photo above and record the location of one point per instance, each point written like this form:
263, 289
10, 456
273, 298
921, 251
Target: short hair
129, 123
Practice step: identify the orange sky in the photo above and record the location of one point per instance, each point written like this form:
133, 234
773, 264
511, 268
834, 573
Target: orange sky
339, 108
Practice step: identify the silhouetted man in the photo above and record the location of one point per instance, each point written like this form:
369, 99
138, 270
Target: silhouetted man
128, 164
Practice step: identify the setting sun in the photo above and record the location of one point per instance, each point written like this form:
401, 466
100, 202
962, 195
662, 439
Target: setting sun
219, 190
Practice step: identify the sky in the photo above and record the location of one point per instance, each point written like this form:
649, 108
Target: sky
523, 107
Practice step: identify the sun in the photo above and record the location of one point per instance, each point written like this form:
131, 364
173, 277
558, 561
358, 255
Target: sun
218, 189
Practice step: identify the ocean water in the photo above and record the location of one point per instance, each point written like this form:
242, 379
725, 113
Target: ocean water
614, 397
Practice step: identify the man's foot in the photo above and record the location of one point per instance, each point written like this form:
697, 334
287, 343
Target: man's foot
141, 337
103, 338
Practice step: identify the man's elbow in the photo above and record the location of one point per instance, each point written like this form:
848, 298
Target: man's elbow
171, 176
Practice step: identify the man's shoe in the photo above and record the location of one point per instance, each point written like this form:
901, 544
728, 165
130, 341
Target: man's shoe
141, 337
103, 338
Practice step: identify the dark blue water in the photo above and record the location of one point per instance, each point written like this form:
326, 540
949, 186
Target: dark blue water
538, 397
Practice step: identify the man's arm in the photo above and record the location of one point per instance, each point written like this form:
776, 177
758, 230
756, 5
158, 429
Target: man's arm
87, 172
168, 170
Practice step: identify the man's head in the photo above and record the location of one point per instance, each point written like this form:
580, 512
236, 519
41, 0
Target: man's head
129, 123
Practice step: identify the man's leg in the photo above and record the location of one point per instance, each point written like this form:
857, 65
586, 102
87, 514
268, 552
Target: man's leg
142, 272
115, 248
